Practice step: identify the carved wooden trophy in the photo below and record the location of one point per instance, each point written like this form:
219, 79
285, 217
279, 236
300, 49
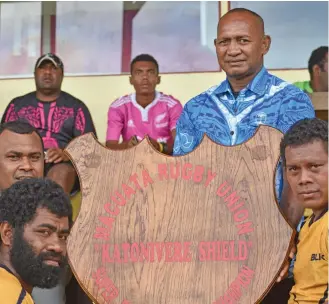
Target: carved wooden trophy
203, 228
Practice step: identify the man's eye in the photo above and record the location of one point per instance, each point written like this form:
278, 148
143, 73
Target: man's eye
35, 158
64, 237
244, 40
13, 157
292, 168
45, 233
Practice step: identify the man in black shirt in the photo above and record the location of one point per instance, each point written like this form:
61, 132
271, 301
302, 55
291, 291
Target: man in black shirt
58, 116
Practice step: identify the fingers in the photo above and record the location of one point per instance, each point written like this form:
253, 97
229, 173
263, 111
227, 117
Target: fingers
54, 156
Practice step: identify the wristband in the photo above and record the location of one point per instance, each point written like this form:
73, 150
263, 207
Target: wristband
160, 146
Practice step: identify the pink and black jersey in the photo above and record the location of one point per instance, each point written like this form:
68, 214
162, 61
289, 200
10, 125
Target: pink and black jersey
127, 118
58, 122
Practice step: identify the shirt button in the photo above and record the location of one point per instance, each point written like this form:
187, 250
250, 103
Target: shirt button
232, 132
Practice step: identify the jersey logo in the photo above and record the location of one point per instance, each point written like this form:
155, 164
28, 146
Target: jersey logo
317, 257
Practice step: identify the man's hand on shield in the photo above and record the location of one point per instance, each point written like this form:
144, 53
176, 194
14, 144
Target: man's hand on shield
284, 272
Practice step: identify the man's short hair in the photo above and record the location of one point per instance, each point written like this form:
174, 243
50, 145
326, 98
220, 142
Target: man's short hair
144, 57
303, 132
318, 57
19, 203
245, 10
20, 127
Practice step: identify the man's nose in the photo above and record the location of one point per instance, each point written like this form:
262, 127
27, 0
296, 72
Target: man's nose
26, 164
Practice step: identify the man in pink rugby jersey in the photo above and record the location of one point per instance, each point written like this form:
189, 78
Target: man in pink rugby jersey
145, 112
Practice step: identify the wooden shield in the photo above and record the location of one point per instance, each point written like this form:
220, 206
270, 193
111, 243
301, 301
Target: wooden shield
195, 229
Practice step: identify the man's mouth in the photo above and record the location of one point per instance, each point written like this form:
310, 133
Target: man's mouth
23, 177
236, 62
308, 193
52, 261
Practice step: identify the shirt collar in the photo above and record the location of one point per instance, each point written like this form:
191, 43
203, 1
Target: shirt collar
257, 85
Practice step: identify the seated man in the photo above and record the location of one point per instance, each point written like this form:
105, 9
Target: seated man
21, 157
304, 150
318, 69
146, 112
35, 220
58, 116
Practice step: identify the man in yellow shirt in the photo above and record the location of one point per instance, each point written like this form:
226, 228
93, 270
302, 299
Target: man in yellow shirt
35, 220
304, 150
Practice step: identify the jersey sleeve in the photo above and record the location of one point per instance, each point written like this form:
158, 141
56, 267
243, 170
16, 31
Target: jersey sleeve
295, 106
10, 113
115, 124
83, 122
174, 114
187, 136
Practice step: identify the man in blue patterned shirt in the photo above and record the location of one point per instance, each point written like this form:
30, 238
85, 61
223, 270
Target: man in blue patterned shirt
229, 113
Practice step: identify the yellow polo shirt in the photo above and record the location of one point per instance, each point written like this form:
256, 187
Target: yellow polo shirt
11, 290
311, 266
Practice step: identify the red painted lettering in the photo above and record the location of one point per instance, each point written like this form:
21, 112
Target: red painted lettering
146, 178
151, 246
108, 209
210, 178
159, 248
187, 257
202, 252
231, 199
125, 248
133, 179
221, 191
225, 251
198, 174
162, 171
128, 191
174, 170
236, 207
144, 253
134, 256
187, 171
101, 233
108, 221
243, 251
168, 250
116, 254
245, 228
241, 215
118, 199
106, 254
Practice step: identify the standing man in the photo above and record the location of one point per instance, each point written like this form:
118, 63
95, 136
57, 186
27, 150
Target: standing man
146, 112
35, 220
229, 113
58, 116
318, 70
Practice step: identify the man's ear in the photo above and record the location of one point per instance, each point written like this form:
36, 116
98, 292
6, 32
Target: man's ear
316, 70
6, 233
131, 80
159, 80
266, 44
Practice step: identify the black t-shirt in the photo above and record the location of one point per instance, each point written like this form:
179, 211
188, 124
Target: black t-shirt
58, 122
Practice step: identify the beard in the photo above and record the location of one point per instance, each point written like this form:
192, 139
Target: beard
31, 267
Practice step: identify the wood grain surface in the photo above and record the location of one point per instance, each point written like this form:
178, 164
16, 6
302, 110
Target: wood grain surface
206, 230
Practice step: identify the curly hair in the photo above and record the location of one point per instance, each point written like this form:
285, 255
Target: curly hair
304, 132
19, 203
